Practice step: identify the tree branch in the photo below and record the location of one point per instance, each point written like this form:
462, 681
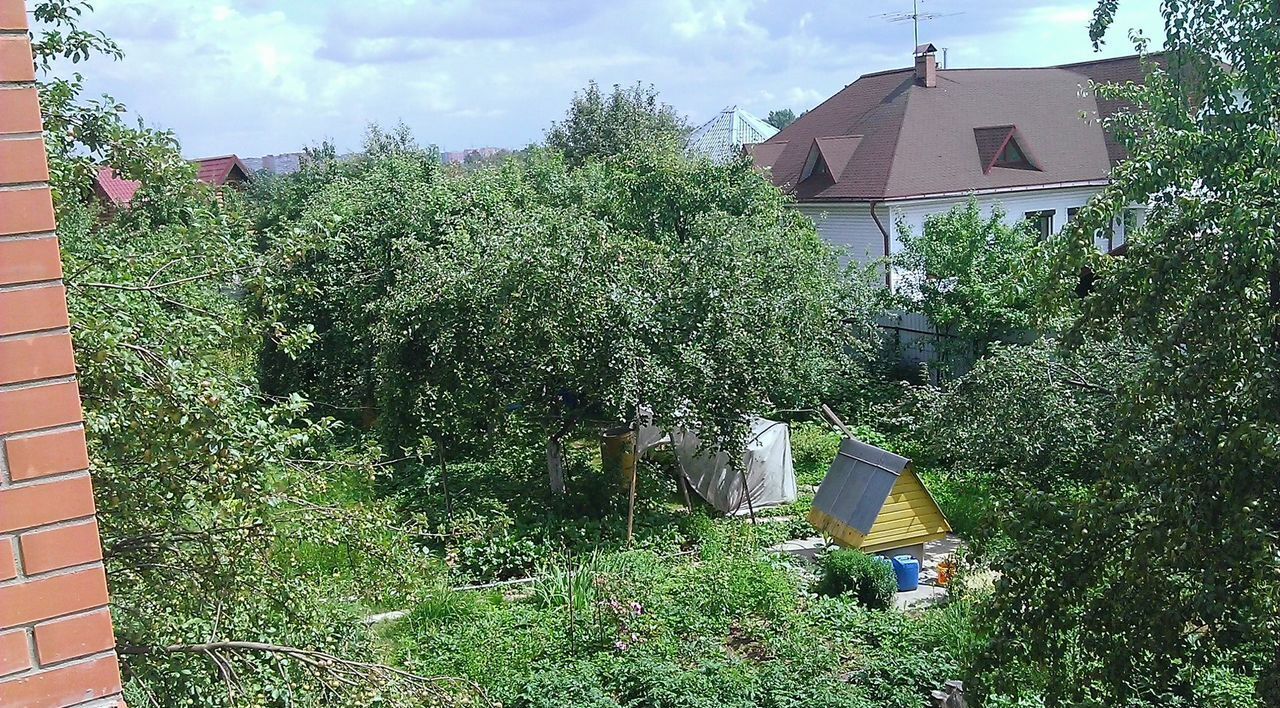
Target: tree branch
327, 667
160, 286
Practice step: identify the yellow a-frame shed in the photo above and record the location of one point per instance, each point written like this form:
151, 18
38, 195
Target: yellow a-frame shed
873, 500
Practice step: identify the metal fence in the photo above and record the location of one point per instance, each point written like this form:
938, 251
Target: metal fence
917, 345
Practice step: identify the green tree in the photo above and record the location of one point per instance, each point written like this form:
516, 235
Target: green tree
1164, 578
534, 297
218, 505
976, 277
781, 118
82, 134
627, 119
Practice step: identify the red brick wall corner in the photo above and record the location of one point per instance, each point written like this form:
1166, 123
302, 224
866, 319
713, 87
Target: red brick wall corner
56, 643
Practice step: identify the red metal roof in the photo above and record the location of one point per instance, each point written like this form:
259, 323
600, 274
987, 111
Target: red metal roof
218, 171
114, 188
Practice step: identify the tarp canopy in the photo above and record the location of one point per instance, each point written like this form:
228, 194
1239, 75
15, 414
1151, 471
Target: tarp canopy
767, 476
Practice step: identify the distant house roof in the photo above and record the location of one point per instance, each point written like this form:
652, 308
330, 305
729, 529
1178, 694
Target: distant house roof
218, 171
113, 188
914, 140
215, 171
723, 137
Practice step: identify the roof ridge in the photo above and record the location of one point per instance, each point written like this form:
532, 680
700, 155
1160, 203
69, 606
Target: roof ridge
1069, 65
1109, 59
884, 72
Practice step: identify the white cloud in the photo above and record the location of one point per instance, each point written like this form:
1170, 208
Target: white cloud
258, 76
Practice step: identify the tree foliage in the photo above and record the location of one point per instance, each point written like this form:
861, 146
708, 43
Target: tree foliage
82, 134
1163, 578
536, 296
222, 510
977, 278
781, 118
629, 118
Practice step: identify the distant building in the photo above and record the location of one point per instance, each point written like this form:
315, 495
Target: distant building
113, 190
459, 157
896, 146
282, 164
727, 135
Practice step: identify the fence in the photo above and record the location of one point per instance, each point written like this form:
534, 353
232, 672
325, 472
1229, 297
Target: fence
917, 345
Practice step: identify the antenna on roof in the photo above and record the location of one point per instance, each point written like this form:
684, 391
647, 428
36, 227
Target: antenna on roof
914, 17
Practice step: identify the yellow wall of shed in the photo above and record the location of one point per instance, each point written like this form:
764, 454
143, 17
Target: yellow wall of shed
909, 516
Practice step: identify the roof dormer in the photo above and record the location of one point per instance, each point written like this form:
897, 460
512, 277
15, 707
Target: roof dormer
998, 146
829, 156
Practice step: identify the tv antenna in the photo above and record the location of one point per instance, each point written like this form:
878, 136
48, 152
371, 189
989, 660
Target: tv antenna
914, 18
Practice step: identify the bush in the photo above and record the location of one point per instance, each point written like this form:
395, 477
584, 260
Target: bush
847, 571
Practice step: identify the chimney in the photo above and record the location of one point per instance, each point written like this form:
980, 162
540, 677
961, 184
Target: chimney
926, 65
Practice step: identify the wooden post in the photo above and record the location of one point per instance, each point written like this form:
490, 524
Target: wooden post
746, 492
835, 420
555, 465
631, 507
634, 463
444, 482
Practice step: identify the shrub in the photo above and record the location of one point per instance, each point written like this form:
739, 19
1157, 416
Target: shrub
847, 571
813, 445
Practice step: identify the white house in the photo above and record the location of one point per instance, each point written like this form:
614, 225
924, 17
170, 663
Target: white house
903, 144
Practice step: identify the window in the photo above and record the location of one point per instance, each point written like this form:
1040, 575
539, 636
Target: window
1133, 220
1071, 214
1122, 228
1011, 155
819, 168
1042, 222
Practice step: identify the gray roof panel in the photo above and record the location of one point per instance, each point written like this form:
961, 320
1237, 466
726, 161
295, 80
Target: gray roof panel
859, 481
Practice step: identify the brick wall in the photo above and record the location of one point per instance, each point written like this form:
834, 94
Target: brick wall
56, 642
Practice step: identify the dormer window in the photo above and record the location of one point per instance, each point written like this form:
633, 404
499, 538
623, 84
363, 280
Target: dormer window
830, 156
816, 165
819, 167
1013, 157
998, 146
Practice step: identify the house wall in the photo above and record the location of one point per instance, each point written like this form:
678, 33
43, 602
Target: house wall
56, 643
849, 226
1016, 204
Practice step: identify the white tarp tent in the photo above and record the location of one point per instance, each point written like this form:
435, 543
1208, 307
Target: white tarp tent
767, 469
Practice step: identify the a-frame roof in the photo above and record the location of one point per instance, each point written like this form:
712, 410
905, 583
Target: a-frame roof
872, 499
217, 171
726, 135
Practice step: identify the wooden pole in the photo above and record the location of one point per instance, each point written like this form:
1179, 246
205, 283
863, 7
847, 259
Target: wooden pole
444, 482
835, 420
746, 492
635, 465
631, 506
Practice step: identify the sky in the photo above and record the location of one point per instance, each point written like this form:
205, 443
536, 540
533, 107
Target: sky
253, 77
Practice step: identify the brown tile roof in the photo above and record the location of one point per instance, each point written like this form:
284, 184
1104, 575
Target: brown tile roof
918, 141
765, 154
